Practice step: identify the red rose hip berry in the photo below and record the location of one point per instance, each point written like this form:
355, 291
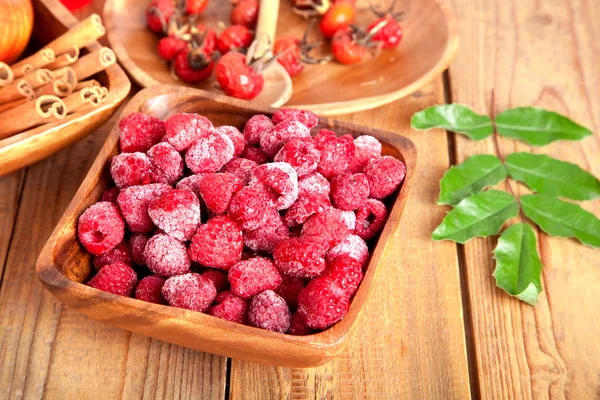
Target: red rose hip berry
252, 276
150, 289
116, 278
217, 244
191, 291
139, 132
385, 175
177, 213
100, 228
166, 256
236, 78
269, 311
322, 303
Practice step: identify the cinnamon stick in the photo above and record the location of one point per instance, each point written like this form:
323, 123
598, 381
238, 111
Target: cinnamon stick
65, 59
80, 35
31, 114
92, 63
6, 74
67, 74
16, 91
83, 100
13, 104
37, 78
40, 59
88, 83
58, 87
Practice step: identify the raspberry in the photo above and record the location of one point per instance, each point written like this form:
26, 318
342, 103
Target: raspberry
150, 289
330, 225
134, 201
346, 272
230, 307
365, 148
166, 256
217, 190
217, 244
336, 153
302, 154
249, 207
269, 311
305, 117
119, 253
218, 277
273, 140
192, 291
255, 127
314, 183
115, 278
236, 137
281, 179
353, 246
209, 154
129, 169
137, 246
349, 219
240, 167
167, 164
385, 174
349, 192
301, 257
177, 213
182, 130
252, 276
304, 207
255, 154
192, 183
100, 228
111, 194
139, 132
267, 236
298, 327
289, 290
322, 303
370, 219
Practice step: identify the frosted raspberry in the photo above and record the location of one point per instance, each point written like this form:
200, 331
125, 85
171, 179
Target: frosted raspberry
353, 246
139, 132
304, 207
301, 257
314, 183
137, 246
346, 272
100, 228
281, 179
349, 219
209, 154
240, 167
385, 174
267, 236
166, 256
370, 219
289, 290
249, 206
129, 169
177, 213
134, 201
217, 244
116, 278
305, 117
119, 253
192, 183
111, 194
336, 153
182, 130
191, 291
230, 307
252, 276
255, 127
322, 303
365, 148
298, 326
236, 137
273, 140
167, 164
255, 154
348, 191
331, 225
269, 311
302, 154
217, 190
150, 289
218, 277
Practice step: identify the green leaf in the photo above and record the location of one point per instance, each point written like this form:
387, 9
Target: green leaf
518, 266
481, 214
550, 176
538, 127
559, 218
455, 118
472, 176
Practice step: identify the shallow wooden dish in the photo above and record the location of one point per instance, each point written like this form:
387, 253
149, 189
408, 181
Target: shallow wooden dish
51, 20
429, 43
63, 262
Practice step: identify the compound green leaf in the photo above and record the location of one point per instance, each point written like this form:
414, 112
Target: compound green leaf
456, 118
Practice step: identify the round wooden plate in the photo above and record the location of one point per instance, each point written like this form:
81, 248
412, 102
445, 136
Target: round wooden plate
429, 43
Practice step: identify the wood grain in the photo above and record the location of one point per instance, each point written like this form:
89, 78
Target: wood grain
10, 189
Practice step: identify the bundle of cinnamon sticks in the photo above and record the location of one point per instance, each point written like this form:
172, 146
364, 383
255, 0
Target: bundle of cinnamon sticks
55, 81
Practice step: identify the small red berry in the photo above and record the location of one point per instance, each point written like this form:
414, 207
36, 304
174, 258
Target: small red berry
217, 190
255, 154
139, 132
236, 137
238, 79
255, 127
302, 154
353, 246
129, 169
336, 153
234, 37
301, 257
169, 47
137, 245
273, 140
305, 117
100, 228
315, 184
244, 12
281, 179
346, 272
119, 253
133, 202
183, 129
289, 290
217, 244
209, 154
249, 207
322, 303
150, 289
191, 291
193, 66
267, 236
167, 164
240, 167
290, 59
230, 307
193, 7
348, 191
218, 277
158, 14
330, 225
252, 276
298, 326
306, 205
370, 219
339, 16
116, 278
385, 175
177, 213
390, 35
346, 49
166, 256
365, 148
269, 311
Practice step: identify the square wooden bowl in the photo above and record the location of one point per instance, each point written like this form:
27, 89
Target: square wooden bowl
64, 263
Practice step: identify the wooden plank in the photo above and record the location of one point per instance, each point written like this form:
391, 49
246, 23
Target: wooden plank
543, 54
411, 342
10, 192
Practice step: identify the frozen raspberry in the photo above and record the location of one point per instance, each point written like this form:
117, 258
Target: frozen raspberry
289, 290
230, 307
139, 132
236, 137
385, 174
177, 213
370, 219
298, 326
100, 228
281, 179
255, 127
330, 225
192, 291
346, 272
240, 167
166, 256
119, 253
167, 164
349, 192
192, 183
182, 130
218, 277
336, 153
365, 148
349, 219
269, 311
249, 207
129, 169
137, 246
305, 117
217, 244
255, 154
209, 154
252, 276
111, 194
217, 190
267, 236
150, 289
302, 154
322, 303
314, 183
304, 207
134, 201
116, 278
301, 257
273, 140
353, 246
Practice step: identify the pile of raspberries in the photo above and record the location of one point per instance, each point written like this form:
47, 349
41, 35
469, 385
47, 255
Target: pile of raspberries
265, 227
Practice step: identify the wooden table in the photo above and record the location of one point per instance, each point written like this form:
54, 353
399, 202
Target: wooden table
437, 327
